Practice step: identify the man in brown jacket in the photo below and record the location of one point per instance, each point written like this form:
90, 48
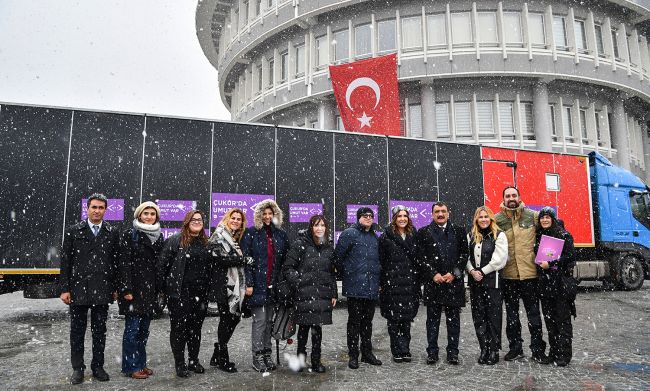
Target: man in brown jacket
520, 276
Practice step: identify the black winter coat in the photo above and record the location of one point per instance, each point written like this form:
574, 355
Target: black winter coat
549, 282
170, 269
89, 264
433, 259
137, 272
399, 297
309, 270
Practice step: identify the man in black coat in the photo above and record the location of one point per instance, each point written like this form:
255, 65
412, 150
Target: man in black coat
442, 255
87, 282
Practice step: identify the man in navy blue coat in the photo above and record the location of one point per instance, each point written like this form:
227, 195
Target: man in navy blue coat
357, 259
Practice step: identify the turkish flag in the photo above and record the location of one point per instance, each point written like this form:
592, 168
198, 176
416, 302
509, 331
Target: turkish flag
367, 95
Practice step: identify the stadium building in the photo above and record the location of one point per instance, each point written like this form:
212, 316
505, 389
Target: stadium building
563, 76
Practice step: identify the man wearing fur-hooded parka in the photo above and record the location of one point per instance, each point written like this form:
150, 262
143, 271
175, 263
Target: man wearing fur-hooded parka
267, 244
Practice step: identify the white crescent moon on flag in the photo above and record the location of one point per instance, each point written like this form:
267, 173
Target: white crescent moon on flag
363, 82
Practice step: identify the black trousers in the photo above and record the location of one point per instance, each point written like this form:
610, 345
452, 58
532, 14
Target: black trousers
400, 336
487, 316
557, 316
316, 338
360, 315
78, 323
434, 311
526, 290
186, 316
227, 324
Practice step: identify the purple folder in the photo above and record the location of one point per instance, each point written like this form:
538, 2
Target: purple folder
550, 249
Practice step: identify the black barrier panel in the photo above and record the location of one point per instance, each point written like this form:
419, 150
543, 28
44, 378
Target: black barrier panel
106, 157
460, 179
33, 159
360, 168
305, 164
244, 163
177, 167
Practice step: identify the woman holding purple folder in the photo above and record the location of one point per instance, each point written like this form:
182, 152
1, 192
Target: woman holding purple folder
557, 288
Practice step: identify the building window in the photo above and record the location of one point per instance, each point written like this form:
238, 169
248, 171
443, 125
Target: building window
599, 40
270, 79
551, 109
512, 28
402, 120
581, 35
412, 33
300, 60
461, 29
442, 120
258, 75
339, 123
629, 49
559, 33
341, 45
526, 117
487, 29
567, 123
258, 7
506, 120
463, 119
270, 3
485, 120
615, 44
597, 122
415, 121
386, 36
245, 14
583, 126
537, 30
362, 39
313, 124
322, 51
284, 66
437, 30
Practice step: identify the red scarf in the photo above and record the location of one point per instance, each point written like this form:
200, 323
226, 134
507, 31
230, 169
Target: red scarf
270, 254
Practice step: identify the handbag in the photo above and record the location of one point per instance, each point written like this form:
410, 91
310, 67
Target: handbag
569, 287
283, 323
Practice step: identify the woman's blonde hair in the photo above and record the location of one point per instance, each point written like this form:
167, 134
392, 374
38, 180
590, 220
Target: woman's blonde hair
237, 235
476, 230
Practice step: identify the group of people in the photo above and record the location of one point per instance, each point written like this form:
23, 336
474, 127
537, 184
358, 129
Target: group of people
240, 271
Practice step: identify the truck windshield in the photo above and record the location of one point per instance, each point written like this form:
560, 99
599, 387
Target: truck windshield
640, 203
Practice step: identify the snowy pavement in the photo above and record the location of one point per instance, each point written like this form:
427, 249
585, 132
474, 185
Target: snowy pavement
611, 352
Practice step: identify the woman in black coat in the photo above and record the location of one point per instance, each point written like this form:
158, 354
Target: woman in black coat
140, 246
399, 297
309, 270
185, 270
557, 288
488, 254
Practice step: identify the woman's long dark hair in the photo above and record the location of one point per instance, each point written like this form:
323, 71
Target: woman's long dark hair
186, 236
409, 226
315, 219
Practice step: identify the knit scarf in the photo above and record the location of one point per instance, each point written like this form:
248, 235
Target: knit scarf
151, 230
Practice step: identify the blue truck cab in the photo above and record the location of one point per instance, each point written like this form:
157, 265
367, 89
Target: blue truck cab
621, 210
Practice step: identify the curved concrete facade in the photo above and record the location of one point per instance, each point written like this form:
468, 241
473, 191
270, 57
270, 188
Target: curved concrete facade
546, 75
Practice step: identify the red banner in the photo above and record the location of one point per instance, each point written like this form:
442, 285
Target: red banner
367, 95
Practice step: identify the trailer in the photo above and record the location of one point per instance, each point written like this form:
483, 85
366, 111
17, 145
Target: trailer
53, 158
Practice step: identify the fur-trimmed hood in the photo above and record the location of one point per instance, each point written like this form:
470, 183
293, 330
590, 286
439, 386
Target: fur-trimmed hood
278, 216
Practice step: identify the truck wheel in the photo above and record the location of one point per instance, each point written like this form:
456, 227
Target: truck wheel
630, 274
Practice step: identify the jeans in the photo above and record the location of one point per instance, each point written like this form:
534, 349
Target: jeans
526, 290
433, 327
78, 323
360, 315
134, 343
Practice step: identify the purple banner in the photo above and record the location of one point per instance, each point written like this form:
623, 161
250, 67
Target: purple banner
352, 212
301, 213
114, 210
222, 202
175, 210
419, 211
167, 232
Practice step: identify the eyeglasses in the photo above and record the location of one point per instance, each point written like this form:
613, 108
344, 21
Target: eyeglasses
196, 221
368, 215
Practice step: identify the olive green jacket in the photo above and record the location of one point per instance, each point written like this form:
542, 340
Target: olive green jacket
519, 226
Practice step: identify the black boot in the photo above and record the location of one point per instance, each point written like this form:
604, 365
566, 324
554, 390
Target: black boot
214, 360
483, 357
182, 371
224, 360
316, 365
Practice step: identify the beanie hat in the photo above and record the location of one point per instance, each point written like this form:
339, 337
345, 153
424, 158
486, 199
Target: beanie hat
547, 211
145, 205
363, 210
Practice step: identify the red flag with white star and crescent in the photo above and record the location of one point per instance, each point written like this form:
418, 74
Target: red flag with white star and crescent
367, 95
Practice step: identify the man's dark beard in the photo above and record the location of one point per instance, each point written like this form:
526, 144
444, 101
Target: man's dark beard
512, 207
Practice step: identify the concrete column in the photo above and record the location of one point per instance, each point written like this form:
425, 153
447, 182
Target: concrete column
428, 103
542, 117
327, 114
645, 149
619, 133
